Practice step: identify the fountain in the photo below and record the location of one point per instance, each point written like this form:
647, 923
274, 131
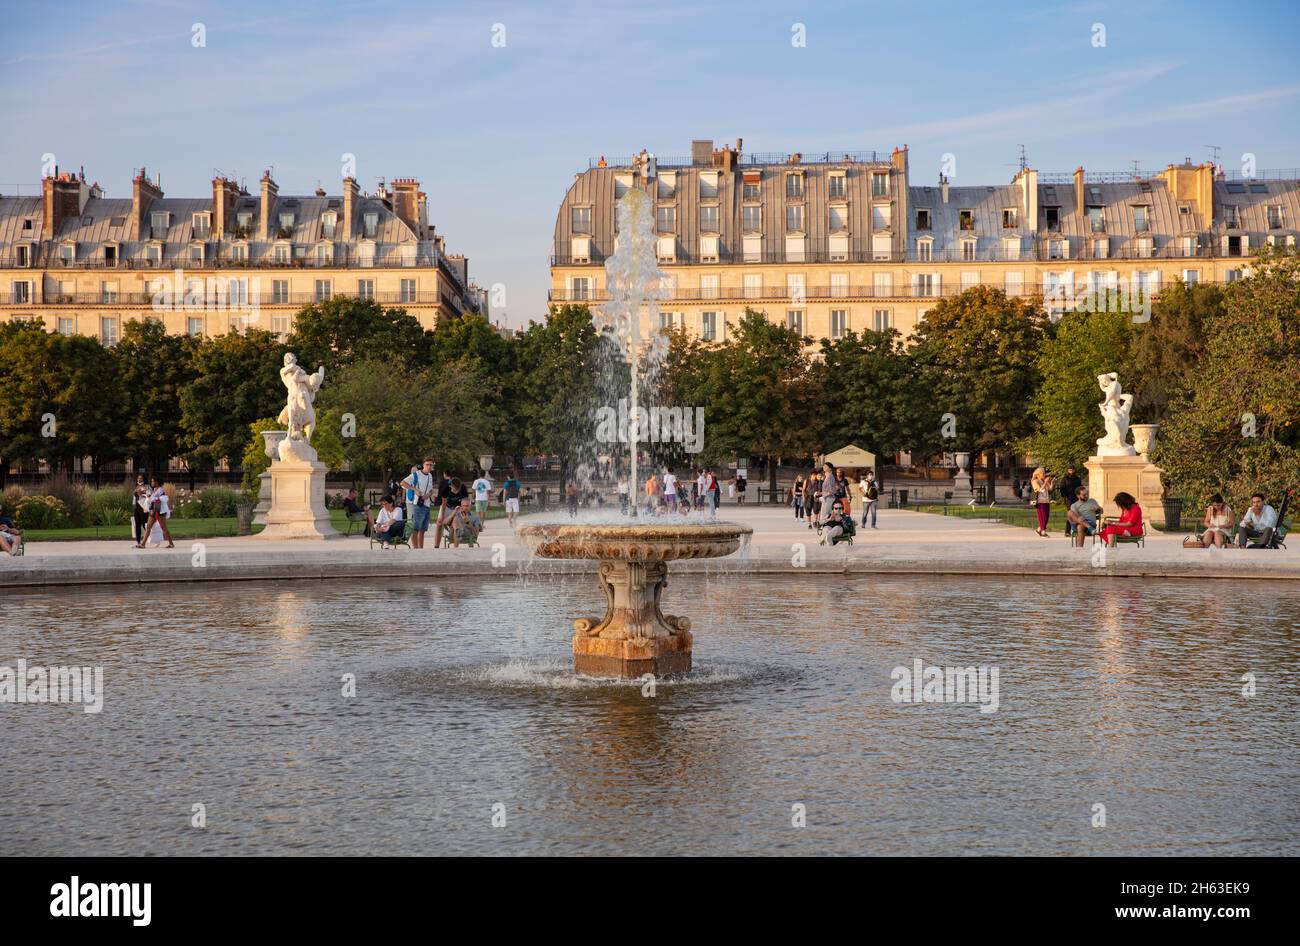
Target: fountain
634, 637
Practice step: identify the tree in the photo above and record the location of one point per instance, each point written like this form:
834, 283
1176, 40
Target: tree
404, 414
557, 384
756, 389
1167, 348
1237, 430
473, 337
976, 353
876, 400
153, 368
236, 382
345, 329
1084, 345
326, 437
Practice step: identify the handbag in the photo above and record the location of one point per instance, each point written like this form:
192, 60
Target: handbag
1193, 542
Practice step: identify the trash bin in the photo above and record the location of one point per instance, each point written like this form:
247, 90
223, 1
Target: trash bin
244, 518
1173, 513
902, 498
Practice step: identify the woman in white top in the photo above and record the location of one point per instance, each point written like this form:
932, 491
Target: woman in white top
1042, 484
1218, 523
159, 511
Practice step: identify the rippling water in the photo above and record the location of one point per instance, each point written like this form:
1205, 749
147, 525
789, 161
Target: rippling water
1123, 694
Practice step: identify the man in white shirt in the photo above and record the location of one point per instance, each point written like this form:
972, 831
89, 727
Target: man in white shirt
1258, 523
420, 496
388, 525
482, 487
670, 490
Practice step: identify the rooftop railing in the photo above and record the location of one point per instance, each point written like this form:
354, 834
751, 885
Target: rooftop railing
755, 159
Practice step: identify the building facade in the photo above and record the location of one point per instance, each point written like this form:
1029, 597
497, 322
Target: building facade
844, 241
82, 263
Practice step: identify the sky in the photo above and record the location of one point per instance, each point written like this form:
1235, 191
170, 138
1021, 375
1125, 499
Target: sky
495, 106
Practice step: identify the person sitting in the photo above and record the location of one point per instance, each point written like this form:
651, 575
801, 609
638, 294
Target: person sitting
838, 526
389, 526
1082, 516
354, 509
11, 537
465, 524
1130, 520
1258, 523
1217, 523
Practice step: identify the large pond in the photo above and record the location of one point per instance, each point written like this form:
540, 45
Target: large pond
469, 734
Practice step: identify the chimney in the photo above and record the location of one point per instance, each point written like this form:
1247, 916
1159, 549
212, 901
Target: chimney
943, 187
702, 152
1195, 183
63, 197
224, 195
899, 182
265, 228
143, 193
1027, 178
423, 199
1079, 199
406, 202
350, 191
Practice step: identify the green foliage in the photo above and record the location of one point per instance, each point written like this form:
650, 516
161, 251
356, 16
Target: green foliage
346, 329
218, 501
1167, 349
255, 461
875, 396
1237, 429
110, 507
236, 381
153, 368
1084, 345
41, 512
557, 388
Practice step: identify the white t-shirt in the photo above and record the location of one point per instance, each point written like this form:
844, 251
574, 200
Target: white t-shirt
670, 485
622, 487
385, 517
481, 486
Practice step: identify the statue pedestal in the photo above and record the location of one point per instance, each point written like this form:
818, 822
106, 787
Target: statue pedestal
298, 502
1135, 475
635, 637
263, 499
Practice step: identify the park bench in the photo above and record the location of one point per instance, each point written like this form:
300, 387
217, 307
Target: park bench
1140, 540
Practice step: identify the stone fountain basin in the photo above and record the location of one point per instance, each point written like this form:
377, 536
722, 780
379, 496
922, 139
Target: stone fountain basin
633, 542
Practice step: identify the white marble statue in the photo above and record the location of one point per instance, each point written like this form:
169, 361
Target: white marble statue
299, 416
1115, 408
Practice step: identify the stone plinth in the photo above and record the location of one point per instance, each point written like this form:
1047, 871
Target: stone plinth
1135, 475
272, 439
632, 658
298, 502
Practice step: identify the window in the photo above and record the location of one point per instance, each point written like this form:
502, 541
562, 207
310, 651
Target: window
666, 219
153, 252
201, 224
1101, 248
1058, 249
67, 326
1232, 275
21, 293
923, 220
708, 183
839, 219
924, 284
282, 253
795, 288
194, 326
839, 285
279, 291
1011, 248
324, 290
880, 320
1234, 246
881, 215
794, 217
1275, 217
1013, 284
881, 246
666, 249
108, 330
794, 320
1097, 219
668, 185
328, 222
880, 185
622, 183
752, 249
839, 322
24, 255
835, 186
407, 291
1231, 216
158, 223
286, 224
1141, 218
709, 219
1191, 276
1143, 247
370, 224
708, 248
1010, 218
753, 285
751, 219
324, 253
580, 288
107, 292
709, 326
1188, 245
1053, 215
969, 280
882, 285
239, 252
244, 223
110, 255
580, 218
925, 250
196, 254
237, 292
968, 250
750, 191
966, 219
794, 185
709, 287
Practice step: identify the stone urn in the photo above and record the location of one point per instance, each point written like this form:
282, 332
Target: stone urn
272, 439
634, 637
1144, 437
961, 488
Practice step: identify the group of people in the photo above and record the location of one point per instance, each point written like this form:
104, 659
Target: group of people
825, 490
671, 495
1258, 523
11, 537
441, 501
151, 508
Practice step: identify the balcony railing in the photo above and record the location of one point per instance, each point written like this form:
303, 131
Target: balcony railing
758, 158
208, 300
40, 259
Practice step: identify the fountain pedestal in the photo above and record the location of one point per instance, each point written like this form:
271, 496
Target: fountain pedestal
634, 637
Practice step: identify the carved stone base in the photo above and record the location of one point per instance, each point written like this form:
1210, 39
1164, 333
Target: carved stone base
298, 502
634, 658
1134, 475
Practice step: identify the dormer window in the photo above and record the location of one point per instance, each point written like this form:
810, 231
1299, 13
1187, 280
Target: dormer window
282, 253
879, 185
239, 252
925, 249
244, 224
196, 254
1275, 217
794, 186
1231, 216
153, 252
580, 218
324, 254
68, 253
966, 219
286, 226
1010, 218
836, 186
709, 184
1052, 216
370, 224
328, 222
159, 222
110, 255
923, 219
1141, 218
1097, 219
667, 187
201, 224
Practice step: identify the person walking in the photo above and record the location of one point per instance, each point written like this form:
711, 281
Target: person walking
870, 494
159, 513
796, 496
510, 491
420, 496
1041, 485
670, 490
843, 492
622, 493
140, 509
652, 495
741, 485
572, 494
482, 486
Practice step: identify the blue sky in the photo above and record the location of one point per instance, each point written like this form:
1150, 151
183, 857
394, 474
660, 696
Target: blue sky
495, 133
